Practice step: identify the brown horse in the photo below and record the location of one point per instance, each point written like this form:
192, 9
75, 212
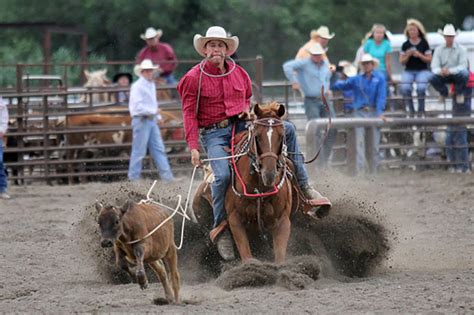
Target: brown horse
260, 195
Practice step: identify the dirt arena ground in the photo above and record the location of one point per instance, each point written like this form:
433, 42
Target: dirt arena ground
50, 259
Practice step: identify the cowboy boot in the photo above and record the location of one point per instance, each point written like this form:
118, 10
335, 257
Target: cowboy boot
220, 236
320, 205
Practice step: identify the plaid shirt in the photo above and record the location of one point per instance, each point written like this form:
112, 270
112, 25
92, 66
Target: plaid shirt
220, 98
163, 52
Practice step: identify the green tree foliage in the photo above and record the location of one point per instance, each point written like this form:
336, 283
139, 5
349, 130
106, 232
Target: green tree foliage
272, 28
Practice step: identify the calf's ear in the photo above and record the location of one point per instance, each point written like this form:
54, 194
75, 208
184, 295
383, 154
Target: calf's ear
98, 206
126, 206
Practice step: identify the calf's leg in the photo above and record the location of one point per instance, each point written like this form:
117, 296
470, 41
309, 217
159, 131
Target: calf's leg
160, 271
139, 253
122, 262
171, 261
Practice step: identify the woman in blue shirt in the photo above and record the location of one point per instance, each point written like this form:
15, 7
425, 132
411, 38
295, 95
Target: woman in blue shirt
378, 46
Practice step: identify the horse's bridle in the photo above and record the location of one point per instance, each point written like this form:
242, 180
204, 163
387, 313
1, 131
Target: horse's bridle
268, 122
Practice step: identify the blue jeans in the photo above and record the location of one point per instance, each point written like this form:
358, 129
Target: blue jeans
457, 135
3, 171
314, 108
146, 134
360, 141
406, 87
459, 79
214, 142
458, 156
169, 78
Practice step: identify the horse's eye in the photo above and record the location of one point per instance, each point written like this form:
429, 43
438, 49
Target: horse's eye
117, 222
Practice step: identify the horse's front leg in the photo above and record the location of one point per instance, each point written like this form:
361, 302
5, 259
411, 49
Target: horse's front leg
280, 235
240, 236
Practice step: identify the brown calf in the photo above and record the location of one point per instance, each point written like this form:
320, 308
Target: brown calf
120, 226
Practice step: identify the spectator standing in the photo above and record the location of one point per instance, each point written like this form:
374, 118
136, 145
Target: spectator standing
159, 53
143, 107
416, 56
378, 46
3, 131
457, 149
369, 90
321, 36
449, 65
122, 80
311, 74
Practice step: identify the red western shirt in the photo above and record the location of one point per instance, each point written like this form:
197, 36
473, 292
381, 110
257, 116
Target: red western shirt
158, 54
220, 98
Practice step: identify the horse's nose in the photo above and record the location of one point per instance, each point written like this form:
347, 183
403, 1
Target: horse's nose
268, 178
106, 243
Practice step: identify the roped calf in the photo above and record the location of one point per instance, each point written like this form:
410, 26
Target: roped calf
121, 227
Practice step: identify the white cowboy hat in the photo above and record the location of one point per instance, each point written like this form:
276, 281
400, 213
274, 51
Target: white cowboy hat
151, 33
215, 33
323, 31
144, 65
348, 68
369, 58
316, 49
448, 30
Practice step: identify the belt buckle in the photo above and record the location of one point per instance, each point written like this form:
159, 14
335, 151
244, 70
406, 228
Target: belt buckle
224, 123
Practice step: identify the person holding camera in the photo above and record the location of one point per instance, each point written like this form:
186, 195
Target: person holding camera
416, 56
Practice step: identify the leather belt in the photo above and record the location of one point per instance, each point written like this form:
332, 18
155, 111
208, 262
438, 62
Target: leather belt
145, 117
221, 124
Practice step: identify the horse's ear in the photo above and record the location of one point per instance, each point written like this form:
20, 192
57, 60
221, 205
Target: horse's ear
257, 110
103, 72
281, 111
87, 73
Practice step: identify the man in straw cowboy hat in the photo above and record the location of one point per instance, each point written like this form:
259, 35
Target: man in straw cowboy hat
143, 107
369, 90
321, 36
449, 65
215, 94
312, 73
159, 53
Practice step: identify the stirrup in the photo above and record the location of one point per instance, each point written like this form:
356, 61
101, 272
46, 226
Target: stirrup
318, 208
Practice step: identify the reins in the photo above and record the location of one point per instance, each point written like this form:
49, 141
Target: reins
276, 187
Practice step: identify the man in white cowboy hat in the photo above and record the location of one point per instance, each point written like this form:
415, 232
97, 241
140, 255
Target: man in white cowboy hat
143, 107
215, 94
321, 36
309, 75
369, 97
159, 53
449, 65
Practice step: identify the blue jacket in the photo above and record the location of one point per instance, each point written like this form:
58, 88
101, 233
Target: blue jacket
310, 75
370, 92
